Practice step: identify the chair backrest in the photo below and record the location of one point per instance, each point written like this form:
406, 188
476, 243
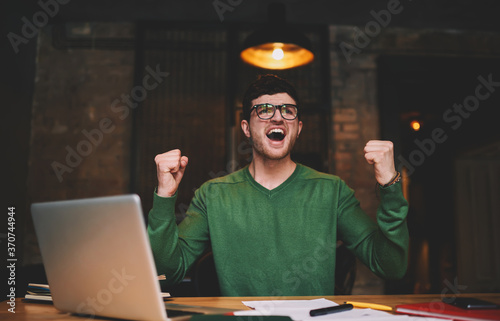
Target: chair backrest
204, 276
345, 270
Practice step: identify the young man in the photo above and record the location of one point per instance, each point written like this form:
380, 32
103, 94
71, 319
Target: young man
273, 225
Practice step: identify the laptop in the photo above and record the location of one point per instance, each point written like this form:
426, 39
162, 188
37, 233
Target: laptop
98, 259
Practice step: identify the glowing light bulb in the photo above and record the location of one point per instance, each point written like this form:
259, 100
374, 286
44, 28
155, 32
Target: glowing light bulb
415, 125
278, 53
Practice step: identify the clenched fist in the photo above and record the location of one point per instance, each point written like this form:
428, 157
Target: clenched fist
380, 154
170, 167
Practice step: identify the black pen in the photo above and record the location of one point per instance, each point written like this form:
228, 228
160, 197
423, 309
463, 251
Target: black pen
328, 310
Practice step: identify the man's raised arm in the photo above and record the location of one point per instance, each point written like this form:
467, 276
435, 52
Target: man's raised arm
168, 252
382, 246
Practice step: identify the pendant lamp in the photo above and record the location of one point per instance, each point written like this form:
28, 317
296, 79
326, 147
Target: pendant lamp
277, 45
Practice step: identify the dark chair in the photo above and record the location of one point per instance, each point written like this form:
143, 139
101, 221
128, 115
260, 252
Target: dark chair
345, 270
204, 276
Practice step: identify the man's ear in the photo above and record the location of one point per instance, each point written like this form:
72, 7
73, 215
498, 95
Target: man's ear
300, 128
245, 126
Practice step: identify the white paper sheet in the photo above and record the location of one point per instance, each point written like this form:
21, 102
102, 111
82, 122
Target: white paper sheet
298, 310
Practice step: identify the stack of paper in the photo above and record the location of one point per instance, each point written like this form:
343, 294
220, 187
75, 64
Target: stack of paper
41, 292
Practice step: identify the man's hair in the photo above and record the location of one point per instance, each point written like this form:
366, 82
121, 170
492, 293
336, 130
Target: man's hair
266, 85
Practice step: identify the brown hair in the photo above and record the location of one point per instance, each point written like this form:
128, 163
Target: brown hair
266, 85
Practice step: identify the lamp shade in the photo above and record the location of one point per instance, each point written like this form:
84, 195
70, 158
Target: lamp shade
277, 45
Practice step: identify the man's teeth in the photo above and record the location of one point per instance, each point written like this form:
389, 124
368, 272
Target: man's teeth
276, 130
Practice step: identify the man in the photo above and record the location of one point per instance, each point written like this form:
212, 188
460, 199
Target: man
273, 225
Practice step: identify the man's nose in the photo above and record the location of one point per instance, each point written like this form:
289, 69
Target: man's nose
277, 115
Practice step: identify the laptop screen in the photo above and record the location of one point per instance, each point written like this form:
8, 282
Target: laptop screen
97, 257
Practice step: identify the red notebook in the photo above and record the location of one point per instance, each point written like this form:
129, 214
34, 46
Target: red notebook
440, 309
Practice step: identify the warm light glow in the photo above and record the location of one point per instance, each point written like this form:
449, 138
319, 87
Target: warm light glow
263, 56
278, 54
415, 125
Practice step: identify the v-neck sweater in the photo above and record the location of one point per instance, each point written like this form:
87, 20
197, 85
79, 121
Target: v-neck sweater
280, 241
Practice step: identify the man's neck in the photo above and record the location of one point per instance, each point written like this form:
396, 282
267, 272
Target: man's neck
271, 173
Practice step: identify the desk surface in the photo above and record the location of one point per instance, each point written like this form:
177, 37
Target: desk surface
36, 311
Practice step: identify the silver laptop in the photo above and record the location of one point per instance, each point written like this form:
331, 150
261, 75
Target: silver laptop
98, 259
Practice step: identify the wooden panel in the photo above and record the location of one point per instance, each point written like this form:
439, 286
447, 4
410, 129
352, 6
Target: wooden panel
478, 224
186, 111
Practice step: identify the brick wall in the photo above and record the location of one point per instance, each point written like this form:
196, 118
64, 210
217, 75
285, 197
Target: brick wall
79, 146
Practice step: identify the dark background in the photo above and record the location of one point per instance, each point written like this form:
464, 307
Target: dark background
445, 79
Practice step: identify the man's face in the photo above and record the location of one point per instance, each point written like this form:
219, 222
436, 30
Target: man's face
267, 145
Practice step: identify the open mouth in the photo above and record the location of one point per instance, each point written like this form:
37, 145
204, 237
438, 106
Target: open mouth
276, 134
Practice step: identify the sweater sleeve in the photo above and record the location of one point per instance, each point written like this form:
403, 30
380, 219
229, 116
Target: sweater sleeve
175, 248
381, 245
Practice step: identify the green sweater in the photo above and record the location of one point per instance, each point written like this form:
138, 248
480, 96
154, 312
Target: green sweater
280, 241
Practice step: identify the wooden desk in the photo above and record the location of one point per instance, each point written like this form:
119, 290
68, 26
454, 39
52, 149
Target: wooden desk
42, 311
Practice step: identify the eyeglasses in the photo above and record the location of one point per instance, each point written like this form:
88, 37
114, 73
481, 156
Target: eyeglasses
267, 111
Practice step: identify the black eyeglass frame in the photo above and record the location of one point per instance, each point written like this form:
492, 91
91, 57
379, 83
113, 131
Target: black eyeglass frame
274, 110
